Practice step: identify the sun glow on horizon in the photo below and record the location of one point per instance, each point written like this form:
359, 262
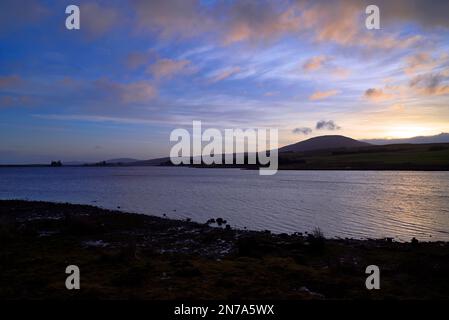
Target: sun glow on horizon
408, 131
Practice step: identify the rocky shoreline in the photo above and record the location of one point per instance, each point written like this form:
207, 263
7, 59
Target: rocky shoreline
134, 256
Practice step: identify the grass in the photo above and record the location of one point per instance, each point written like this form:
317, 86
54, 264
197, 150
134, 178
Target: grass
393, 157
144, 257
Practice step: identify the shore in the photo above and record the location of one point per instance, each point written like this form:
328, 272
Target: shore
133, 256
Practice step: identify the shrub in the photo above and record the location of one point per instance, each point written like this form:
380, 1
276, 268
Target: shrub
316, 240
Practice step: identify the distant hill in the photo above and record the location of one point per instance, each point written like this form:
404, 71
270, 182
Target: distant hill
74, 163
336, 152
121, 160
151, 162
439, 138
324, 143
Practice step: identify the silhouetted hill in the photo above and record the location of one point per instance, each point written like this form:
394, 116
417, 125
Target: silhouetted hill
118, 161
324, 143
121, 160
151, 162
439, 138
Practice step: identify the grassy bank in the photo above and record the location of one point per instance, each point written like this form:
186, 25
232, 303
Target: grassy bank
131, 256
390, 157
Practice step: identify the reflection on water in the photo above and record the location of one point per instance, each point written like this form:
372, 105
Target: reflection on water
342, 203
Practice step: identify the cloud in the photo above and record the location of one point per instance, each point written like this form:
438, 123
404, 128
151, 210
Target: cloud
374, 94
126, 93
304, 130
319, 95
16, 101
342, 23
340, 72
271, 93
135, 60
166, 68
257, 21
230, 22
137, 92
315, 63
173, 18
419, 62
430, 84
96, 20
324, 63
416, 11
397, 107
15, 14
321, 17
96, 118
225, 74
262, 22
327, 125
9, 81
339, 22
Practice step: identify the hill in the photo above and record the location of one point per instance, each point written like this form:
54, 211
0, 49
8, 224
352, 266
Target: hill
151, 162
324, 143
439, 138
121, 160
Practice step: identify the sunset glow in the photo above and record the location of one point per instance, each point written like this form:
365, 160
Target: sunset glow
137, 70
409, 132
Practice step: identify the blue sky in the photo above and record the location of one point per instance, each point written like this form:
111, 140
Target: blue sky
137, 70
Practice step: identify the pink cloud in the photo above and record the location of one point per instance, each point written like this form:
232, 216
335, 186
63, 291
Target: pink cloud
320, 95
97, 20
137, 92
172, 18
135, 60
10, 81
166, 68
127, 93
419, 62
225, 74
255, 21
315, 63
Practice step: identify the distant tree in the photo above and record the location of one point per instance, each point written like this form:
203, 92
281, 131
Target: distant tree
56, 163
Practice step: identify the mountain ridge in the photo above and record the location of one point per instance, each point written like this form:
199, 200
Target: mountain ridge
438, 138
325, 142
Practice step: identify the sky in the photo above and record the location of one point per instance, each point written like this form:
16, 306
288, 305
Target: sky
136, 70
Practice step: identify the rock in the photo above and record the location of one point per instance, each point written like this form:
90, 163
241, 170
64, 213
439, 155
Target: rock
312, 294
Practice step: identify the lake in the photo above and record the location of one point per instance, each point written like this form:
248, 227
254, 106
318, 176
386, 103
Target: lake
357, 204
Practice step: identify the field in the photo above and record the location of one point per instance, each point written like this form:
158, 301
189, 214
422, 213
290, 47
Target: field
389, 157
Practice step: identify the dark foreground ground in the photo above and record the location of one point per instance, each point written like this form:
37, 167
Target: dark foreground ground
130, 256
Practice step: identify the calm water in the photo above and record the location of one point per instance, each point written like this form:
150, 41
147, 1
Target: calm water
342, 203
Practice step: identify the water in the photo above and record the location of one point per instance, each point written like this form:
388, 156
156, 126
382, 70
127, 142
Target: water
358, 204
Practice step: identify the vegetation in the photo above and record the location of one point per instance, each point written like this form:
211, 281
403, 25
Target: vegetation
390, 157
130, 256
